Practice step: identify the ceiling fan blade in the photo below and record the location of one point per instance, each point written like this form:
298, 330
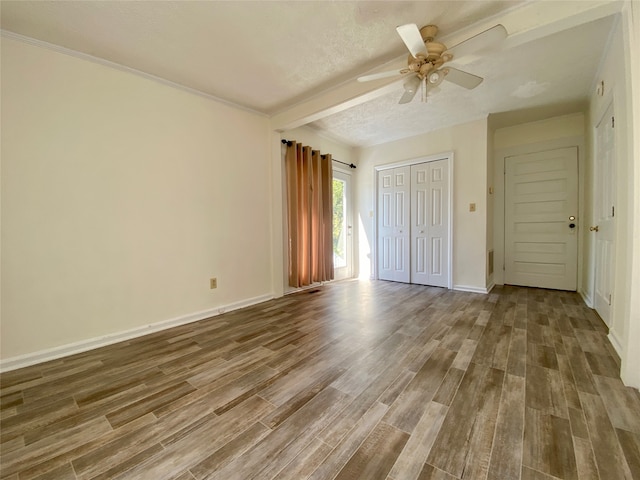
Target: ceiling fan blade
464, 79
376, 76
407, 96
412, 39
481, 41
411, 87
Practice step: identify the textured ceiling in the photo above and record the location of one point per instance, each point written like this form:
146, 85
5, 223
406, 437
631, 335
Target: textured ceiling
269, 56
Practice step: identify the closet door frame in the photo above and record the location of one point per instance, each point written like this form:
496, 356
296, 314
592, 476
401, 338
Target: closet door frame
448, 156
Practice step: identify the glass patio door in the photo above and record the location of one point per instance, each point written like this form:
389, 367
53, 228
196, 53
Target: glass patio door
342, 226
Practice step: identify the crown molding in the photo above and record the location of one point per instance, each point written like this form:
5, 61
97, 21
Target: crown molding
124, 68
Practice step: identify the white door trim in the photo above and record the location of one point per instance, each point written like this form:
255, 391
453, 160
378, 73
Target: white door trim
449, 157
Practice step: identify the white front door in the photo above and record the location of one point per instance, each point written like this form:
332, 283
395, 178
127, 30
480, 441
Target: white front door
604, 214
393, 224
342, 226
541, 224
429, 223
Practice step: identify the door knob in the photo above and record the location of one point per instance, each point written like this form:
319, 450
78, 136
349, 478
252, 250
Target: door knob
594, 229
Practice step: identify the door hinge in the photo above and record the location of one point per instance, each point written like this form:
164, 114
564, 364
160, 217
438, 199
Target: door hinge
613, 211
609, 299
613, 122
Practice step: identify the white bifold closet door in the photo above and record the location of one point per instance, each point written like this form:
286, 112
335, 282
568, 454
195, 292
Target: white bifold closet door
429, 223
413, 216
394, 188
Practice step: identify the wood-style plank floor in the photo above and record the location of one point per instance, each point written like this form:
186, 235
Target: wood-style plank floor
353, 380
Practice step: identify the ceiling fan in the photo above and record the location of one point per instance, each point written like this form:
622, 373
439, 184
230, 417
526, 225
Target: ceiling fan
427, 57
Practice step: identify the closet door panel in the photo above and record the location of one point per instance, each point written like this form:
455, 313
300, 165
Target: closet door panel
386, 209
420, 220
393, 224
439, 223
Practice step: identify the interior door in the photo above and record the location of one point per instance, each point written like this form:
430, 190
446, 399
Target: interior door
393, 224
342, 226
541, 208
429, 223
604, 214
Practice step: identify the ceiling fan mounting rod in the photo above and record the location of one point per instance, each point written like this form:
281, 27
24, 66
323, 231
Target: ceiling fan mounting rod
428, 33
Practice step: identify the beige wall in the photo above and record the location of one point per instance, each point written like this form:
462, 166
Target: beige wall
541, 131
121, 197
469, 145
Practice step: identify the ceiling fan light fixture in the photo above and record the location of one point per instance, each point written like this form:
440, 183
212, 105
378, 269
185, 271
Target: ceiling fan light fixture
435, 78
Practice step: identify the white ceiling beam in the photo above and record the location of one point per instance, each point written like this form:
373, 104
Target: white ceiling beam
337, 99
544, 18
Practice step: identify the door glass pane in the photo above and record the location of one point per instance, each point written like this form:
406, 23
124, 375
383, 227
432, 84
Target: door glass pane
339, 224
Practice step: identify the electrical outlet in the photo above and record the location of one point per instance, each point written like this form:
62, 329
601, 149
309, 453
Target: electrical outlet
472, 207
213, 283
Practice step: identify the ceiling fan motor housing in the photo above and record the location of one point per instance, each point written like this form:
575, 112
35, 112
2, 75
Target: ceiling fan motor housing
434, 58
428, 33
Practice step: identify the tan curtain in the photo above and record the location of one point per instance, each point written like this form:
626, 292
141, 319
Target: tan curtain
309, 215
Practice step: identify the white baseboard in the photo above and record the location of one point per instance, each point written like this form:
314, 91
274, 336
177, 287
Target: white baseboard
615, 342
468, 288
586, 298
54, 353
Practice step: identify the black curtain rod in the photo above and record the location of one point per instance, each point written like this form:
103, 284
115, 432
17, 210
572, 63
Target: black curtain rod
350, 165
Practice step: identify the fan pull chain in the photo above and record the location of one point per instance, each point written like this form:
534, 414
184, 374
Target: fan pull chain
424, 90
